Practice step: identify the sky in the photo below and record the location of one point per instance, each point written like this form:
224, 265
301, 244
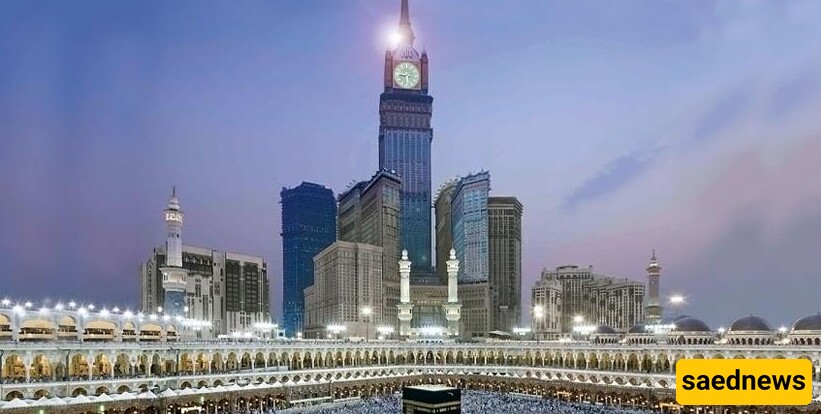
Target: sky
689, 127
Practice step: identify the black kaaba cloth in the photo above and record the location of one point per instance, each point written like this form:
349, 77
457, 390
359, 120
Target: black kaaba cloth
438, 399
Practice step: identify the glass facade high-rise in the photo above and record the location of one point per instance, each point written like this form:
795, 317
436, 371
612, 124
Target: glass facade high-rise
405, 136
469, 219
308, 227
505, 261
444, 229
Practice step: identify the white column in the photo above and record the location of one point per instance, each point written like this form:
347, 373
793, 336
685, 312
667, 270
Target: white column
405, 306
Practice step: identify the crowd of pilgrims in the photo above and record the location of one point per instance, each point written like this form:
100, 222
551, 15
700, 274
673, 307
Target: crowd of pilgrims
473, 402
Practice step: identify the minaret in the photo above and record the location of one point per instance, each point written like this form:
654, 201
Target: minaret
652, 312
453, 307
405, 306
173, 275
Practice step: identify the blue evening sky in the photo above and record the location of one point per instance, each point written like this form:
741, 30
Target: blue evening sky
691, 127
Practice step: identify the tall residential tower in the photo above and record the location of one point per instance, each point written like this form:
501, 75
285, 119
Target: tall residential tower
308, 227
505, 261
469, 220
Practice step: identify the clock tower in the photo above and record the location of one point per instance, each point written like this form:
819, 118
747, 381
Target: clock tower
405, 136
173, 274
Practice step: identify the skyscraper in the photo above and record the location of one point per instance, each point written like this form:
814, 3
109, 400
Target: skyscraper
308, 227
444, 228
405, 136
505, 261
470, 221
369, 212
349, 213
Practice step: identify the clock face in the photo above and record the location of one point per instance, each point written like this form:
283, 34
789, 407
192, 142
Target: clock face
172, 216
406, 75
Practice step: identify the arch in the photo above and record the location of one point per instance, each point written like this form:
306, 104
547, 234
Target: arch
102, 366
14, 394
100, 330
37, 329
78, 367
150, 332
122, 366
41, 368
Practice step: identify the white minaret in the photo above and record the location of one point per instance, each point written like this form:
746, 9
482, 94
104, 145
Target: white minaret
405, 306
652, 312
173, 222
173, 275
453, 307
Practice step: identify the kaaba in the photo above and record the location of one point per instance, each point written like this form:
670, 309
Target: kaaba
431, 399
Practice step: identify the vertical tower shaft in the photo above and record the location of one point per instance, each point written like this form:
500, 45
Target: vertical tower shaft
173, 275
405, 306
653, 310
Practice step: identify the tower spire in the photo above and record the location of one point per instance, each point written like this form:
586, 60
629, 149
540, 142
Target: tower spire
405, 29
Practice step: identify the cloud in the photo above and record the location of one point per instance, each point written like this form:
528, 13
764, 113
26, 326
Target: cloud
794, 94
727, 111
614, 176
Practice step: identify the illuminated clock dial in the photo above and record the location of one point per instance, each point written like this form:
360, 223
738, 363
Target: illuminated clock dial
406, 75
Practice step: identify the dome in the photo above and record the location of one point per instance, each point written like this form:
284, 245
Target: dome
605, 330
638, 328
690, 324
750, 323
808, 323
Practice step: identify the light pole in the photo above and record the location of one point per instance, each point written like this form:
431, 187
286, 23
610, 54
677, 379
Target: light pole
676, 301
367, 311
538, 316
782, 334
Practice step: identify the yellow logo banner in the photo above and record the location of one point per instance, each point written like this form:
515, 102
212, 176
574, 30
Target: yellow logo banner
743, 381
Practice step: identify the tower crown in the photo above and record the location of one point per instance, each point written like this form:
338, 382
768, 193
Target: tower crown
405, 30
174, 202
654, 263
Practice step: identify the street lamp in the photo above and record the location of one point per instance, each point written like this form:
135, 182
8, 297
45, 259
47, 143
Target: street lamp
538, 316
782, 331
367, 311
676, 301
